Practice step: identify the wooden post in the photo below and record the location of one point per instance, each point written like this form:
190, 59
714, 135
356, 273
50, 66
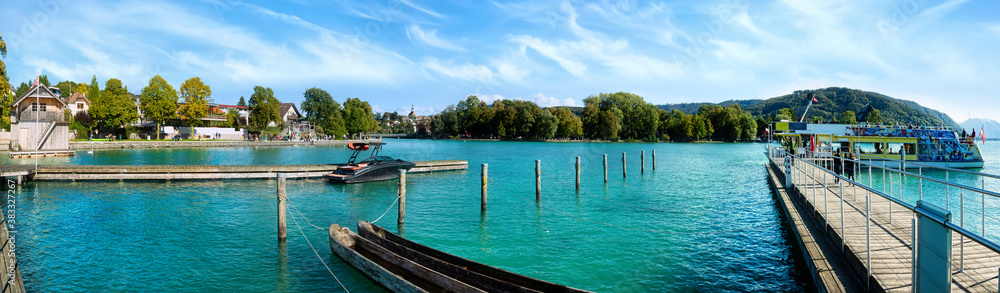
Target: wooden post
538, 180
402, 196
577, 172
642, 162
623, 165
654, 160
605, 168
483, 203
282, 206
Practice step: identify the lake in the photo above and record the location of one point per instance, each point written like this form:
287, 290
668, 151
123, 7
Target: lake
704, 220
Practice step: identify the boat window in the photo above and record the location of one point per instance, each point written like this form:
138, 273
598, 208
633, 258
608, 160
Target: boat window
864, 147
894, 148
879, 148
911, 148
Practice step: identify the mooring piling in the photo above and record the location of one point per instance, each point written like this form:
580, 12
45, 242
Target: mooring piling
538, 180
577, 172
483, 199
654, 160
282, 206
623, 165
642, 162
605, 168
402, 197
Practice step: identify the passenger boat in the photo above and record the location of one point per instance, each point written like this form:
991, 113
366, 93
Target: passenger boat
401, 265
374, 168
931, 146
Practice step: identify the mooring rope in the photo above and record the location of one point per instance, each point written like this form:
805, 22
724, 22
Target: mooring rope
622, 203
626, 227
387, 210
317, 255
303, 216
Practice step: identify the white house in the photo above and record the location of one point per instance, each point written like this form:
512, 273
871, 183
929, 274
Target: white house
78, 102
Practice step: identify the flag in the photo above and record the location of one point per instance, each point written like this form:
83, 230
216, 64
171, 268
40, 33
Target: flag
767, 130
815, 100
36, 81
982, 133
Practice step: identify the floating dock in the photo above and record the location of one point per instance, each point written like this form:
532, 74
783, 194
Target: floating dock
197, 172
41, 154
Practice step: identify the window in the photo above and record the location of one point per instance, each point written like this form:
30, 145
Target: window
79, 106
34, 107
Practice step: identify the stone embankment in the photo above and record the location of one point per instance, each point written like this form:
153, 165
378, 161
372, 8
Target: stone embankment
96, 145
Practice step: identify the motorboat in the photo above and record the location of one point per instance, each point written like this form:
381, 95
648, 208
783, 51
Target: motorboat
373, 168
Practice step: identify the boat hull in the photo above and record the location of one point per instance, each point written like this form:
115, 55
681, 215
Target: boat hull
379, 172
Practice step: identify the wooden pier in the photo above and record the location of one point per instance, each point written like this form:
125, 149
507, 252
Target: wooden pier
838, 217
199, 172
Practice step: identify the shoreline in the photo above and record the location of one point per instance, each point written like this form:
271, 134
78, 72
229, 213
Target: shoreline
104, 145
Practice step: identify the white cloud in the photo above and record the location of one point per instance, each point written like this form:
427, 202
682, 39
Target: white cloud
546, 101
421, 9
467, 72
430, 38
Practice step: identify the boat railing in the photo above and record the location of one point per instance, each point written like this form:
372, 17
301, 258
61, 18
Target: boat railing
812, 177
916, 127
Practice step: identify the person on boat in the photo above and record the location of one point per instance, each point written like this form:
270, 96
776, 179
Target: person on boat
849, 165
837, 166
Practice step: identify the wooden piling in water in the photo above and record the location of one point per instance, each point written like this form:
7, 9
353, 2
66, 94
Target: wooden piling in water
402, 196
623, 165
605, 168
282, 206
483, 200
577, 172
642, 162
538, 180
654, 160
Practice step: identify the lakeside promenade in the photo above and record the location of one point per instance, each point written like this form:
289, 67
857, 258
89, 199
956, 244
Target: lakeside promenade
152, 144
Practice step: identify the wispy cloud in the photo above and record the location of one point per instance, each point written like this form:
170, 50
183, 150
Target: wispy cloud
546, 101
421, 9
430, 38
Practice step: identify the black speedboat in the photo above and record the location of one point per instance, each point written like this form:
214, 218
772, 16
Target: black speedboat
374, 168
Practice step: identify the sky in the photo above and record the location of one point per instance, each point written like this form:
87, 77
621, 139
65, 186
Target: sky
398, 54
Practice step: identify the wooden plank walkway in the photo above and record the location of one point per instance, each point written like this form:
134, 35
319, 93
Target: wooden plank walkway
203, 172
891, 239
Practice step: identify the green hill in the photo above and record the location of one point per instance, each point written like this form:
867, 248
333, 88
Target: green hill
833, 102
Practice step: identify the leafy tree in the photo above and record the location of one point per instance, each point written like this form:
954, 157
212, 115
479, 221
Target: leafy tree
785, 114
547, 125
66, 87
264, 108
320, 108
749, 127
94, 91
875, 116
815, 119
570, 125
233, 118
115, 107
849, 117
5, 88
196, 95
20, 90
158, 102
80, 88
242, 102
358, 116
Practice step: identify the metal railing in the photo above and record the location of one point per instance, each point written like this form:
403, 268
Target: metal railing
810, 175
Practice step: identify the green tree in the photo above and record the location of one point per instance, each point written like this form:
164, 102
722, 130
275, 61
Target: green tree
875, 116
242, 102
233, 118
158, 102
547, 125
570, 125
5, 88
815, 119
320, 108
80, 88
94, 91
264, 108
115, 107
849, 117
196, 95
66, 87
358, 116
785, 114
21, 89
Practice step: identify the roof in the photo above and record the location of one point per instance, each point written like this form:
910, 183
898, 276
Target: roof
287, 106
40, 91
78, 97
232, 106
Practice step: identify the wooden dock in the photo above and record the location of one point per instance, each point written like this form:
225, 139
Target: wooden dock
890, 239
41, 154
201, 172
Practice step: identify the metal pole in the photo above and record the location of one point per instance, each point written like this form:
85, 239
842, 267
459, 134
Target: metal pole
843, 238
577, 172
402, 196
913, 245
868, 231
961, 238
947, 189
538, 180
605, 168
483, 200
642, 162
982, 215
654, 160
282, 206
826, 211
920, 171
890, 195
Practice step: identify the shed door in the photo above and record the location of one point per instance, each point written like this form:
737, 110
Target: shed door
22, 138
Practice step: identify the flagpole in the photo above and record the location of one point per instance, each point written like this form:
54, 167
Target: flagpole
811, 97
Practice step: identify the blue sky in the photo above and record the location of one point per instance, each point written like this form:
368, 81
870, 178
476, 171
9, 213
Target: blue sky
430, 54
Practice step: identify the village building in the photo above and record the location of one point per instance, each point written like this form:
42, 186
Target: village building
77, 103
37, 121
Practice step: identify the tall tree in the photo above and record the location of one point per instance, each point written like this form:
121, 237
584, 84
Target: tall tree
94, 91
242, 102
159, 102
264, 108
5, 88
875, 116
196, 95
44, 79
80, 88
849, 117
570, 125
358, 116
115, 108
320, 108
66, 87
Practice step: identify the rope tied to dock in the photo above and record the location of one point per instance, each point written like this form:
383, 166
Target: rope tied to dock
317, 254
386, 210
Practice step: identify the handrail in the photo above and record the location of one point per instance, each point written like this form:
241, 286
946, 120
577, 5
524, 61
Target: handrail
929, 166
975, 237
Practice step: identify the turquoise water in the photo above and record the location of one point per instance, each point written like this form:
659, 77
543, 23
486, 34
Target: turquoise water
703, 221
